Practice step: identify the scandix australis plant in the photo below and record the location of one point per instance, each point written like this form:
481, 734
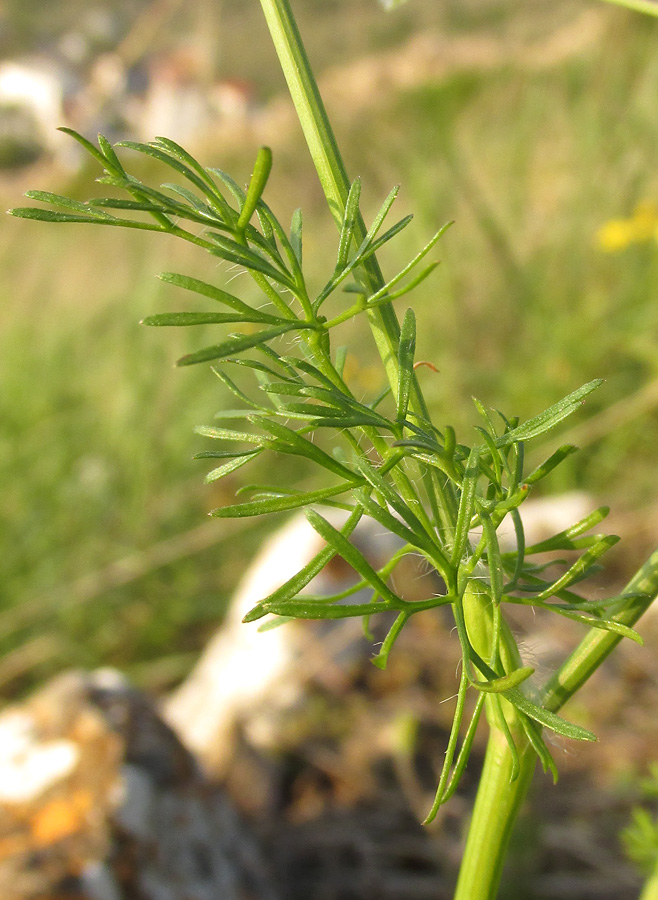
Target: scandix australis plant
386, 458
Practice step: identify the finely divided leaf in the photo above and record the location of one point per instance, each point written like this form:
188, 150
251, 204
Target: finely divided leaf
289, 441
301, 579
214, 293
354, 557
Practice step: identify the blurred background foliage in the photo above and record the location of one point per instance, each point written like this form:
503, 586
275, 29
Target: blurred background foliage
532, 125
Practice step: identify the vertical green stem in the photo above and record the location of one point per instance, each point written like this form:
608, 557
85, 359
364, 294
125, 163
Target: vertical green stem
500, 794
499, 798
328, 161
497, 805
308, 103
335, 183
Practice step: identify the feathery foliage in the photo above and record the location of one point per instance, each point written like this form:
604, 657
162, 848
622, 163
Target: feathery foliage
383, 457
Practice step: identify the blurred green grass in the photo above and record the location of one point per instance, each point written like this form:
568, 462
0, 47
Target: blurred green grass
107, 557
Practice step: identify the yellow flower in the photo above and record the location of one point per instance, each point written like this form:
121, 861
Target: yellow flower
618, 234
615, 235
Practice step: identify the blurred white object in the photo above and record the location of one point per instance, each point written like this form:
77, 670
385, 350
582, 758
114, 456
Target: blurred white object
244, 671
391, 4
31, 109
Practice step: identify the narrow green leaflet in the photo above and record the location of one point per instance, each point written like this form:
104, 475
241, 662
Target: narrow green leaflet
413, 532
291, 588
466, 506
289, 441
593, 622
224, 434
296, 235
262, 169
302, 609
212, 192
234, 188
405, 289
553, 460
237, 344
502, 723
92, 218
381, 659
504, 682
533, 733
214, 293
231, 251
361, 252
86, 145
386, 288
258, 366
197, 318
349, 221
108, 152
550, 417
67, 203
239, 413
406, 353
378, 221
464, 753
203, 209
548, 719
339, 403
449, 755
365, 252
437, 459
564, 540
354, 557
155, 151
279, 504
532, 710
118, 203
237, 392
224, 454
580, 567
275, 230
493, 559
395, 526
230, 466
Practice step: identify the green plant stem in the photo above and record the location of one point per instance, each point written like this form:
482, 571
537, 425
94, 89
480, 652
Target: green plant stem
597, 645
644, 6
499, 799
500, 794
330, 167
335, 183
497, 805
328, 161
